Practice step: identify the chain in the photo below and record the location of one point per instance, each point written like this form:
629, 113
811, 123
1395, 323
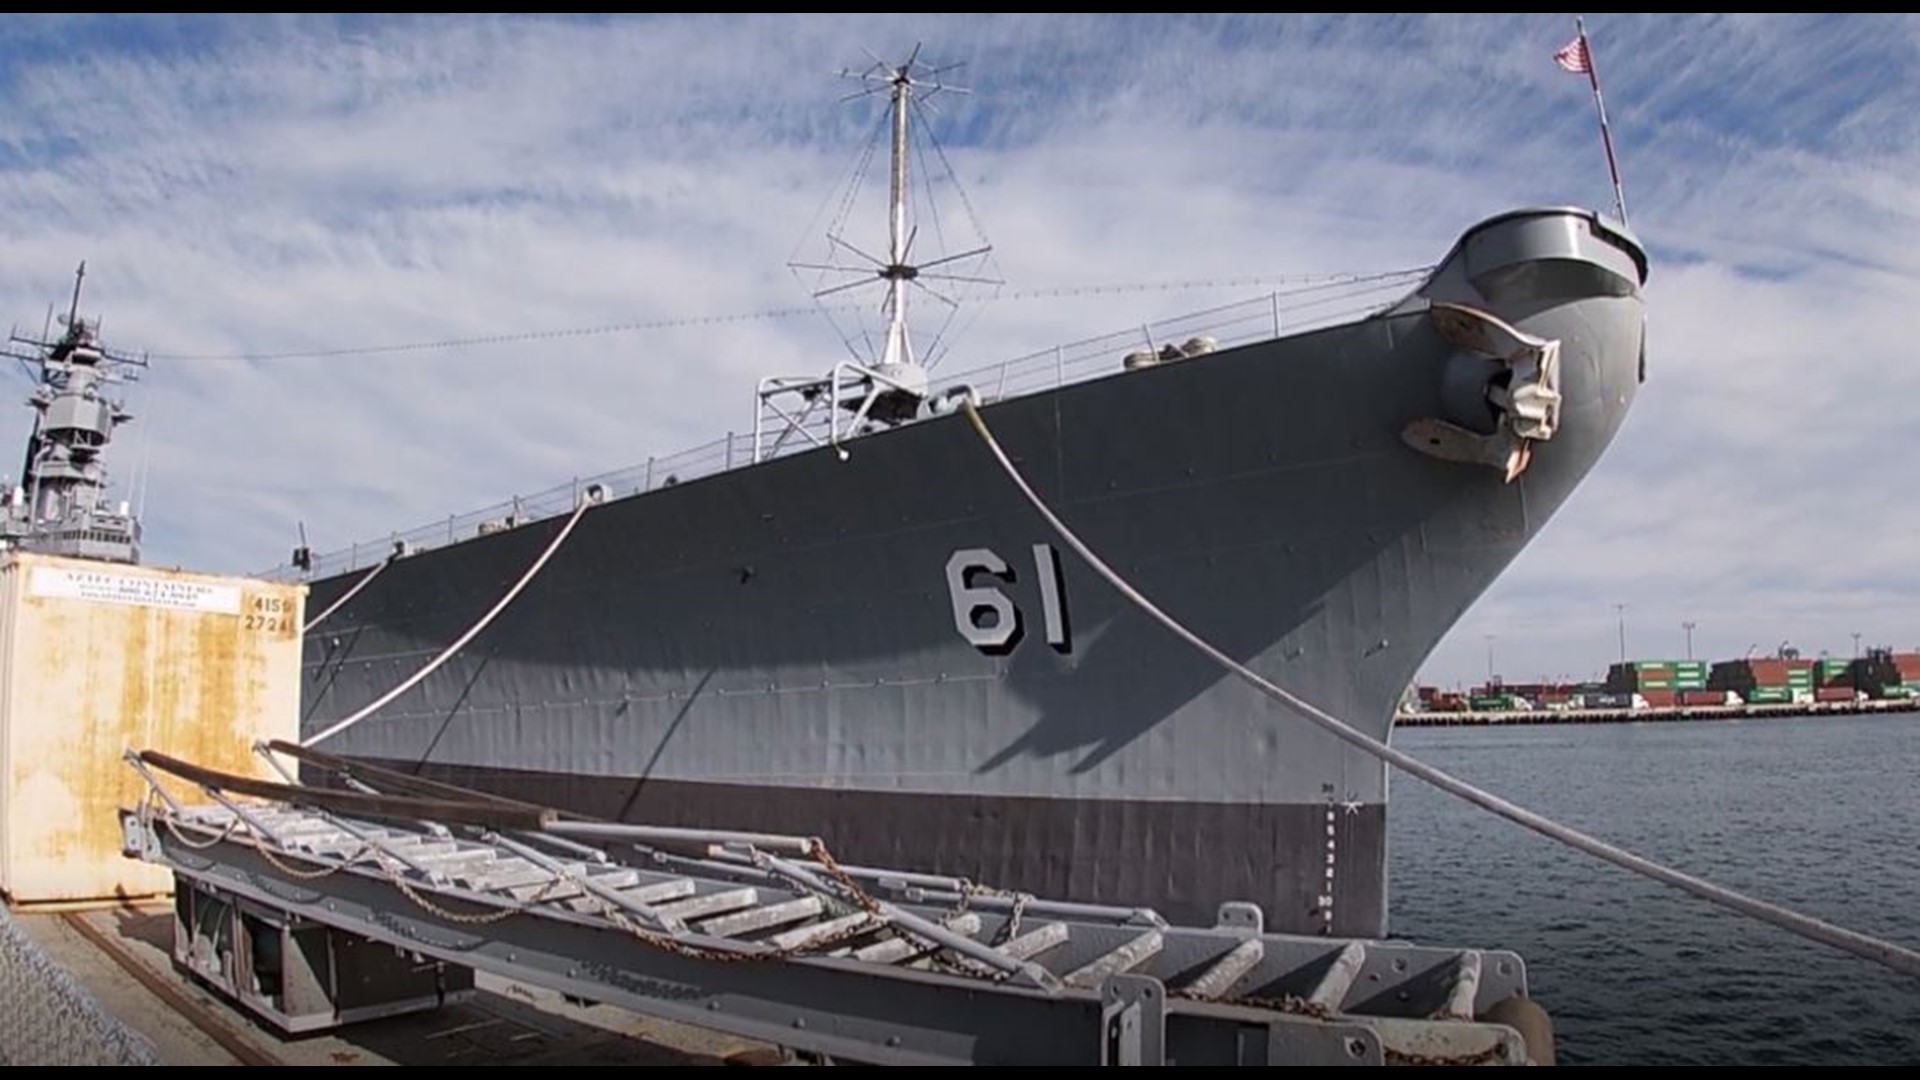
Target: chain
817, 848
1289, 1003
968, 889
670, 944
145, 814
1299, 1006
266, 851
1491, 1054
406, 888
1011, 929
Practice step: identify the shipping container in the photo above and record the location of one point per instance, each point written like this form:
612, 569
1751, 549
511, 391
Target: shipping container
1657, 699
1601, 700
1744, 675
1834, 693
1769, 695
98, 658
1703, 697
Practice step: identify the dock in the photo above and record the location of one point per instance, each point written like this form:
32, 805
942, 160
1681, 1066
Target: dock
1513, 717
146, 1011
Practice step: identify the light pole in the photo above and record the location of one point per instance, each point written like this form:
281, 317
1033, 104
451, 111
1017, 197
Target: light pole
1688, 627
1621, 609
1856, 644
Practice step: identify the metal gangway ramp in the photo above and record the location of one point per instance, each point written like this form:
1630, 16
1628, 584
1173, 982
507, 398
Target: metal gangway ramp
284, 891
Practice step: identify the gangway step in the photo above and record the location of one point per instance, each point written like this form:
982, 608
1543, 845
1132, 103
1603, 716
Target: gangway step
762, 918
670, 889
897, 949
1464, 986
1232, 966
1332, 988
1125, 958
805, 937
505, 876
713, 903
461, 862
1036, 941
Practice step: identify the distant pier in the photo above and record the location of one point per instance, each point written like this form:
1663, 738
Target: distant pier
1506, 717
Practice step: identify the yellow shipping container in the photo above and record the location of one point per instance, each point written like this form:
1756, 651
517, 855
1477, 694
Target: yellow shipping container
97, 658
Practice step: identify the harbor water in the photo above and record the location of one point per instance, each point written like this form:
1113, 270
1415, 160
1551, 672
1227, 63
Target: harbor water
1819, 814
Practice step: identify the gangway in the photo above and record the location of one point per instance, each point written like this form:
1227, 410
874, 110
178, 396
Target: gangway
358, 892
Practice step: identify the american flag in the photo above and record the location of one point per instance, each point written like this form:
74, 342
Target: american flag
1573, 56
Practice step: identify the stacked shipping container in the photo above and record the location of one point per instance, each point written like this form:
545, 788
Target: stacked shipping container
1765, 680
1881, 674
1885, 674
1661, 682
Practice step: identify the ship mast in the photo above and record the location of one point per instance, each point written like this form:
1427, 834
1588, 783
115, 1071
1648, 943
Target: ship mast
898, 272
889, 388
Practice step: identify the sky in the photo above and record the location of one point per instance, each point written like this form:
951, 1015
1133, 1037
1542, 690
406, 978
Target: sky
247, 189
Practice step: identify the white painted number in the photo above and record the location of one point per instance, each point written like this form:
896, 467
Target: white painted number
985, 616
973, 602
1053, 606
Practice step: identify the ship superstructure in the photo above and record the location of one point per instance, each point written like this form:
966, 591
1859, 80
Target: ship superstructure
60, 504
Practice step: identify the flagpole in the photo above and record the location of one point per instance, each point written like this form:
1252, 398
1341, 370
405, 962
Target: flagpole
1600, 106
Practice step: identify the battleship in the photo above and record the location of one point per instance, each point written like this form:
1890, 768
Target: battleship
60, 505
850, 624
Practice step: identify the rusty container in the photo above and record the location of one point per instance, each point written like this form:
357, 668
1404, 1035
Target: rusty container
97, 658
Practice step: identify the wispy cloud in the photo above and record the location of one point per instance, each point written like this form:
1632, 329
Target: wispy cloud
256, 185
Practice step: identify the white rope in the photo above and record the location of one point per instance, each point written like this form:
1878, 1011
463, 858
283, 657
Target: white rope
350, 593
594, 494
1894, 956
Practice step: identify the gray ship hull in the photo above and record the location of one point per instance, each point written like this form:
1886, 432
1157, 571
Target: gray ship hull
876, 651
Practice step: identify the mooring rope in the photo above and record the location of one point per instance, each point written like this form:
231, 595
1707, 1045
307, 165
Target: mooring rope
1894, 956
590, 498
365, 580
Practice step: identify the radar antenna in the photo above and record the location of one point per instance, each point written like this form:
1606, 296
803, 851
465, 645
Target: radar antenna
888, 388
